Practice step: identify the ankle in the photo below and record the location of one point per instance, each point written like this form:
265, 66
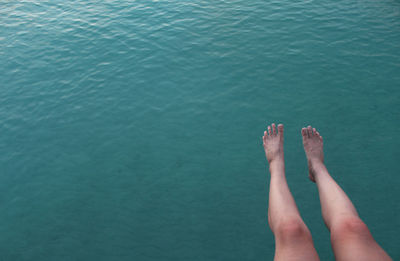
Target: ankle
317, 168
277, 163
316, 163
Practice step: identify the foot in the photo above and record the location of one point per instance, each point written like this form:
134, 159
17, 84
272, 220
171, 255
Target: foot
273, 143
313, 144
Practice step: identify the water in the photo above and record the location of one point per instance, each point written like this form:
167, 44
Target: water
132, 130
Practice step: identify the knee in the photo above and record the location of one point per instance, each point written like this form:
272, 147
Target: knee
292, 230
349, 228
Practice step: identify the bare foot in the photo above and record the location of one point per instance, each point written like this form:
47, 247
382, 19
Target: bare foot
273, 143
313, 144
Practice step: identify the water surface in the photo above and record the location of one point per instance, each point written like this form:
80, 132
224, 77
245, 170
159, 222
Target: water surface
131, 130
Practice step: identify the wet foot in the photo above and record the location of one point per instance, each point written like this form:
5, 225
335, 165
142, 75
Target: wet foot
313, 144
273, 143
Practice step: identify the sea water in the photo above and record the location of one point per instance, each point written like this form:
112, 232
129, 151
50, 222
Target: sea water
131, 130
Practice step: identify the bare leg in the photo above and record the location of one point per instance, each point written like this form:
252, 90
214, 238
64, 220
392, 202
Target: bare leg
350, 237
292, 238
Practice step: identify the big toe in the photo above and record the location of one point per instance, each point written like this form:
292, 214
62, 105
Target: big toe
280, 129
304, 133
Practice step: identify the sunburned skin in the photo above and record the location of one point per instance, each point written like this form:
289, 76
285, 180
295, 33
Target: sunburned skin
350, 236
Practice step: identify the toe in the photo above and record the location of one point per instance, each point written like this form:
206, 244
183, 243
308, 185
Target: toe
280, 130
269, 131
314, 131
304, 132
273, 129
309, 131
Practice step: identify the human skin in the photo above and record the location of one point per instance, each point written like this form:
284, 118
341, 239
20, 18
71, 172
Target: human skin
350, 237
293, 240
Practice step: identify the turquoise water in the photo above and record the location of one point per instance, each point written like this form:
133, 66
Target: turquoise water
131, 130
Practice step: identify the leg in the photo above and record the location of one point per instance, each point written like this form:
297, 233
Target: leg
292, 238
350, 237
